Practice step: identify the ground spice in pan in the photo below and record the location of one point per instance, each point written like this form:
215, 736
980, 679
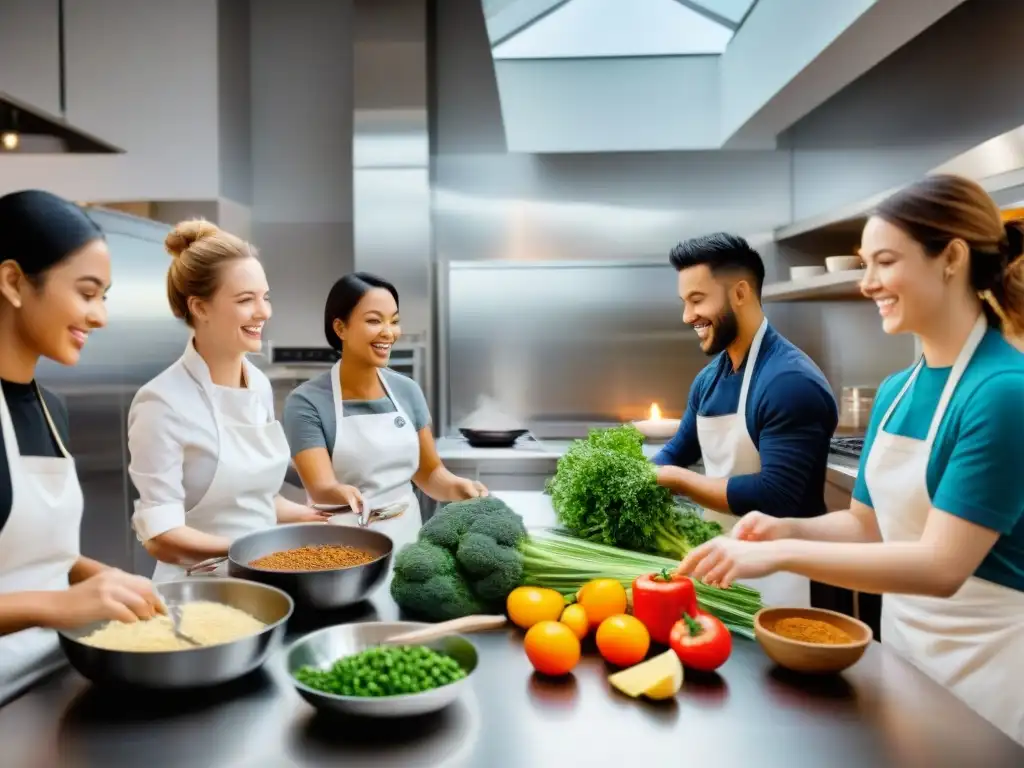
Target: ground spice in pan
811, 631
320, 558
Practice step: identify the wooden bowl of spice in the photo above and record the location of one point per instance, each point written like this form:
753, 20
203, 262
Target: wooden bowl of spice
811, 640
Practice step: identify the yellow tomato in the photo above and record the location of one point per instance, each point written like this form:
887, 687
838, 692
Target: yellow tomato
575, 618
602, 598
527, 606
623, 640
552, 648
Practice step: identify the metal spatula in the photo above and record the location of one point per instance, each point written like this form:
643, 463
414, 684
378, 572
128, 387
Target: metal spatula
174, 612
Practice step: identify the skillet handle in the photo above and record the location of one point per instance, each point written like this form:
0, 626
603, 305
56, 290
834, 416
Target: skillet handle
205, 566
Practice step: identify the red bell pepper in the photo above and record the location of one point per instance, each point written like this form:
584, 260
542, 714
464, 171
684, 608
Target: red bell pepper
659, 599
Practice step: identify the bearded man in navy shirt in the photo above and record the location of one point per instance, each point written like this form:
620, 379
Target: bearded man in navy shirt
759, 417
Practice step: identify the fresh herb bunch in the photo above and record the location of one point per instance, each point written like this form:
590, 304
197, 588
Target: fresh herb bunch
605, 490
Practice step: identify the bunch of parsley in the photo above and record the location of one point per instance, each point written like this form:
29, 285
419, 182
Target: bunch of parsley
604, 490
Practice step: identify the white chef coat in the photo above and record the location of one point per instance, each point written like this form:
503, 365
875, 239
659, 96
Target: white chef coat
728, 450
174, 440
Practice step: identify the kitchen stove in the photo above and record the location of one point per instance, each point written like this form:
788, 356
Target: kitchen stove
850, 447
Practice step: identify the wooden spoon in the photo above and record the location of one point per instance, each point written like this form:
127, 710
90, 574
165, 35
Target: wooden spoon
445, 628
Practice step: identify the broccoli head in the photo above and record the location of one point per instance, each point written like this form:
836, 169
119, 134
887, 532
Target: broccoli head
421, 560
465, 561
439, 598
492, 569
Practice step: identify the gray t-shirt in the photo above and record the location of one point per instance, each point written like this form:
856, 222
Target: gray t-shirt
310, 420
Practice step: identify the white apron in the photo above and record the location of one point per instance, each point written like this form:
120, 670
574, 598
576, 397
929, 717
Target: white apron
378, 454
38, 546
727, 451
252, 461
972, 642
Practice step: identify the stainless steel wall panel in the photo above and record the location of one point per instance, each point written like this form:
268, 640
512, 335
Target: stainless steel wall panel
566, 344
391, 193
391, 152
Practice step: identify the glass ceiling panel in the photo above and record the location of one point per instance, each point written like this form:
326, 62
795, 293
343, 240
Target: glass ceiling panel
731, 10
616, 28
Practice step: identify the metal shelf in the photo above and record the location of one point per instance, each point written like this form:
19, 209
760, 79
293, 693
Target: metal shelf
833, 286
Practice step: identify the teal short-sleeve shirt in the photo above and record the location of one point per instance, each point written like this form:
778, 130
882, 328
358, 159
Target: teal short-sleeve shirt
975, 470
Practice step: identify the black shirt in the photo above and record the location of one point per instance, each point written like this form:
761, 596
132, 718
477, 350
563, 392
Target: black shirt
32, 431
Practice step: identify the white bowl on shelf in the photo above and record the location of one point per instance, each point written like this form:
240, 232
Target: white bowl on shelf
657, 429
802, 273
843, 263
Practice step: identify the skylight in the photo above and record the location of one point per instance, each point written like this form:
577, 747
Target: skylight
556, 29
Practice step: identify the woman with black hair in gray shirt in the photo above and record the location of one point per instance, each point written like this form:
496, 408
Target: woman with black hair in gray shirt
360, 433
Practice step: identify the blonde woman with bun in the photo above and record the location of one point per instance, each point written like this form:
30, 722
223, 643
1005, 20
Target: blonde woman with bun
208, 458
937, 519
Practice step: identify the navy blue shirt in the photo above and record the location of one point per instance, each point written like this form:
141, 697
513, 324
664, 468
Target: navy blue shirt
791, 417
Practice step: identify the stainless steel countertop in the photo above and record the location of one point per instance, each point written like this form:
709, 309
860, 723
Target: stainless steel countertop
881, 713
842, 470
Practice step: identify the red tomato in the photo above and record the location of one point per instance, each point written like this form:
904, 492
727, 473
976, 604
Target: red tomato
701, 642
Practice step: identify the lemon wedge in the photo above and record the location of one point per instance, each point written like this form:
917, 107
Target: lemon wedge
658, 678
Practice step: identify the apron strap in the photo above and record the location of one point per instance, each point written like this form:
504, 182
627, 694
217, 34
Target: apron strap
956, 373
966, 353
900, 394
49, 420
748, 373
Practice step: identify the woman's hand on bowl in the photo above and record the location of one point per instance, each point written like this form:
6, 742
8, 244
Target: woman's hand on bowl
111, 594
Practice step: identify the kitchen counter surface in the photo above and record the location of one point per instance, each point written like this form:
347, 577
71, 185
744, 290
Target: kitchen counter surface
880, 713
457, 450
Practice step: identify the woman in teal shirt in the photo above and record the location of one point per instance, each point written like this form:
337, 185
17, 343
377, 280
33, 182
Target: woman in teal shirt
937, 518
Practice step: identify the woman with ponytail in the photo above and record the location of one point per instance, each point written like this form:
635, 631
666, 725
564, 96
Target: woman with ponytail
54, 277
937, 518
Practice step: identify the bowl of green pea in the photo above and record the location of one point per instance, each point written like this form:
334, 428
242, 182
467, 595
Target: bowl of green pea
350, 669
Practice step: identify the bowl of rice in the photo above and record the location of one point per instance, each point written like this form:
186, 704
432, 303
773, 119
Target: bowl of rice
236, 623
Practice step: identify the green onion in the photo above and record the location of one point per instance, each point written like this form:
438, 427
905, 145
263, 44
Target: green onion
565, 563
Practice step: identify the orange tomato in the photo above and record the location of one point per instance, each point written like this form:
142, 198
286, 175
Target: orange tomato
602, 598
575, 618
623, 640
527, 606
552, 648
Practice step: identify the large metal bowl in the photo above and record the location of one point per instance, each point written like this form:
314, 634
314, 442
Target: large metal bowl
320, 590
323, 647
194, 667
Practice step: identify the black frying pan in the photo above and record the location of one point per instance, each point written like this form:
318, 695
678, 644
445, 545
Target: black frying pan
492, 438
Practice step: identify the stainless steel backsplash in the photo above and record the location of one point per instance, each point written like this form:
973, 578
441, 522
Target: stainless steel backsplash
565, 344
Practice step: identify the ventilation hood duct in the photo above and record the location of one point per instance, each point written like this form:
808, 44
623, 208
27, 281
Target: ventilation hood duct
392, 234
